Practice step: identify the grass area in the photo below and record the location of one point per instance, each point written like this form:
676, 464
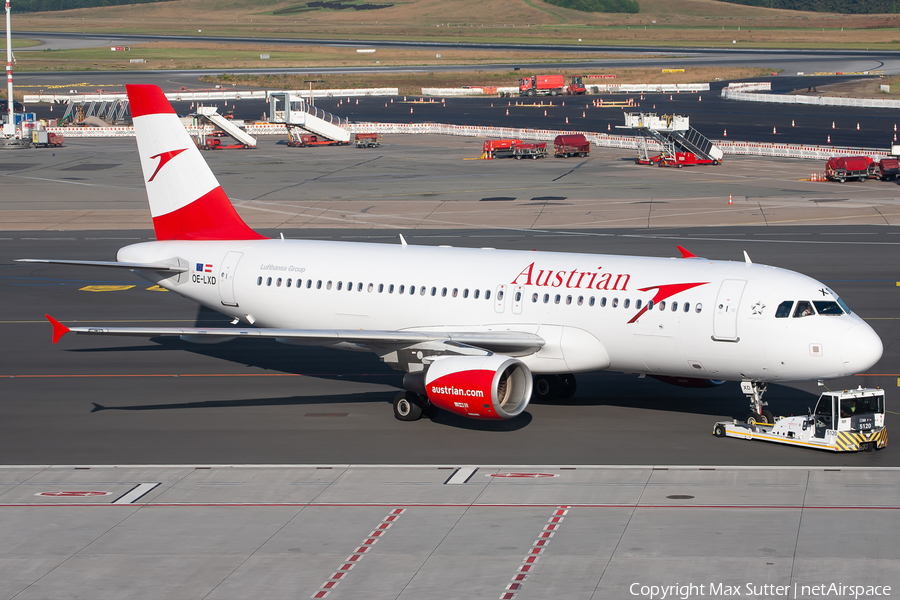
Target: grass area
22, 43
705, 23
412, 83
162, 55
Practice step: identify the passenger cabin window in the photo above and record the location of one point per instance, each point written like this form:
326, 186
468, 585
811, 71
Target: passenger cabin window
674, 306
591, 301
602, 302
259, 281
518, 296
784, 309
288, 283
391, 289
455, 292
328, 286
687, 307
339, 285
825, 307
804, 309
269, 281
534, 297
278, 283
487, 295
615, 302
400, 291
359, 287
475, 295
699, 308
626, 303
319, 284
637, 303
466, 293
546, 298
421, 290
662, 305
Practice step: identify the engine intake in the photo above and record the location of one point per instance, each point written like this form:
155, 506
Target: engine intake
479, 387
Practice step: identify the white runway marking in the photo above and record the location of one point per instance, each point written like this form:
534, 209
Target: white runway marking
461, 475
136, 493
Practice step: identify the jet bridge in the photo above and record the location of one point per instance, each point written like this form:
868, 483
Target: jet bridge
674, 135
294, 111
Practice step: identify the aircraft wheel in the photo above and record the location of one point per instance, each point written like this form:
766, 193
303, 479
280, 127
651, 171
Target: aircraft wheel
406, 407
768, 417
719, 431
754, 418
546, 387
569, 385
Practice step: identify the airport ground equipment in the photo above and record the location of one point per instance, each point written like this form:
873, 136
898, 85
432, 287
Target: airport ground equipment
550, 85
297, 139
513, 149
887, 169
230, 127
843, 168
681, 144
565, 146
294, 111
843, 421
367, 140
46, 139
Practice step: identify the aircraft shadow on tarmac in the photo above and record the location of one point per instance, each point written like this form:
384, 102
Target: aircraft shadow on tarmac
594, 389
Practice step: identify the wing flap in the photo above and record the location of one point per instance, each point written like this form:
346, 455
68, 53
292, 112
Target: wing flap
483, 339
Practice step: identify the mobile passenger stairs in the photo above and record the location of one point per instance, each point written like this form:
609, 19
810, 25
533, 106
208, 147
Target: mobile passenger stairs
229, 127
681, 144
303, 118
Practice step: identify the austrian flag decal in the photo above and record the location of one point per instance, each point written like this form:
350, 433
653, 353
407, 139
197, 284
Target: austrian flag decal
203, 268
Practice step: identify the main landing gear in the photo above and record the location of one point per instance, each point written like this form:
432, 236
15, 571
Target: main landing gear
754, 391
551, 387
410, 406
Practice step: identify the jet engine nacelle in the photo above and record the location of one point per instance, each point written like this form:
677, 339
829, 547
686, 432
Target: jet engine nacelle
479, 387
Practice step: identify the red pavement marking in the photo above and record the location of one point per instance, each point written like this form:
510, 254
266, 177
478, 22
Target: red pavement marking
358, 555
540, 544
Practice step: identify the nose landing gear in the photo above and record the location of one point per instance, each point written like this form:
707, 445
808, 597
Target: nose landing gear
754, 391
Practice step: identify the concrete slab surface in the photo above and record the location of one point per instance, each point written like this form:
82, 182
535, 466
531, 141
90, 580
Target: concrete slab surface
762, 526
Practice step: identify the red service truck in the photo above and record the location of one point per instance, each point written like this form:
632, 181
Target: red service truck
367, 140
842, 168
513, 149
550, 85
887, 169
46, 139
305, 141
575, 144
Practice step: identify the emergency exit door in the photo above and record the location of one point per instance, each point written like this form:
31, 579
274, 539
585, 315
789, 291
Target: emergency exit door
726, 310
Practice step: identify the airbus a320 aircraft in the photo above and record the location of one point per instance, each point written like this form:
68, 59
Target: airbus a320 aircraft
479, 332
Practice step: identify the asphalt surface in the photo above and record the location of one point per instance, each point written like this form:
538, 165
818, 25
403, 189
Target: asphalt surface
133, 401
712, 115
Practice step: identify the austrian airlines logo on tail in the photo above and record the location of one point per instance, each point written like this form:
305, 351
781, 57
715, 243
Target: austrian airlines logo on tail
164, 157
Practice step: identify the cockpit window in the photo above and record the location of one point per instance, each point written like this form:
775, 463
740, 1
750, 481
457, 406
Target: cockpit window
804, 309
844, 306
826, 307
784, 309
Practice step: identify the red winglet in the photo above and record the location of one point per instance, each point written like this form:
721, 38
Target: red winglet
59, 329
686, 253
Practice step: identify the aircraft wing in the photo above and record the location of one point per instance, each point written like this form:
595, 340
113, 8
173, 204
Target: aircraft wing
114, 264
495, 341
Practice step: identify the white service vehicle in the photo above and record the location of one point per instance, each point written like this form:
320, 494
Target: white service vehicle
844, 421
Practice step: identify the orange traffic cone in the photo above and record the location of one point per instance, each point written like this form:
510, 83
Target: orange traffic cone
832, 124
773, 131
699, 98
492, 105
792, 122
567, 120
583, 115
725, 133
545, 113
507, 112
410, 110
608, 128
829, 139
857, 126
730, 201
357, 101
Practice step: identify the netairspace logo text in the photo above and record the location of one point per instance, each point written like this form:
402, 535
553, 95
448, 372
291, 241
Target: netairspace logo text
757, 590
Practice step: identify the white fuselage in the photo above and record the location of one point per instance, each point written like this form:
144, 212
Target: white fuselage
710, 319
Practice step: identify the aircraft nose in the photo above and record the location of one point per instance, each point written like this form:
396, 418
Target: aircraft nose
861, 348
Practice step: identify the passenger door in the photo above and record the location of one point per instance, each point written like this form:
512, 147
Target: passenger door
726, 310
226, 278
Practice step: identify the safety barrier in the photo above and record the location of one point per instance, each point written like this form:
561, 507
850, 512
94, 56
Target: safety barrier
748, 86
223, 94
731, 94
602, 140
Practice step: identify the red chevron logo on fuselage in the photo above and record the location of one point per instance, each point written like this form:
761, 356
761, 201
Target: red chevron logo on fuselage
164, 157
662, 292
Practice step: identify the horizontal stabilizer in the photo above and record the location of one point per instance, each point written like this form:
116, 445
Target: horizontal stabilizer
105, 263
